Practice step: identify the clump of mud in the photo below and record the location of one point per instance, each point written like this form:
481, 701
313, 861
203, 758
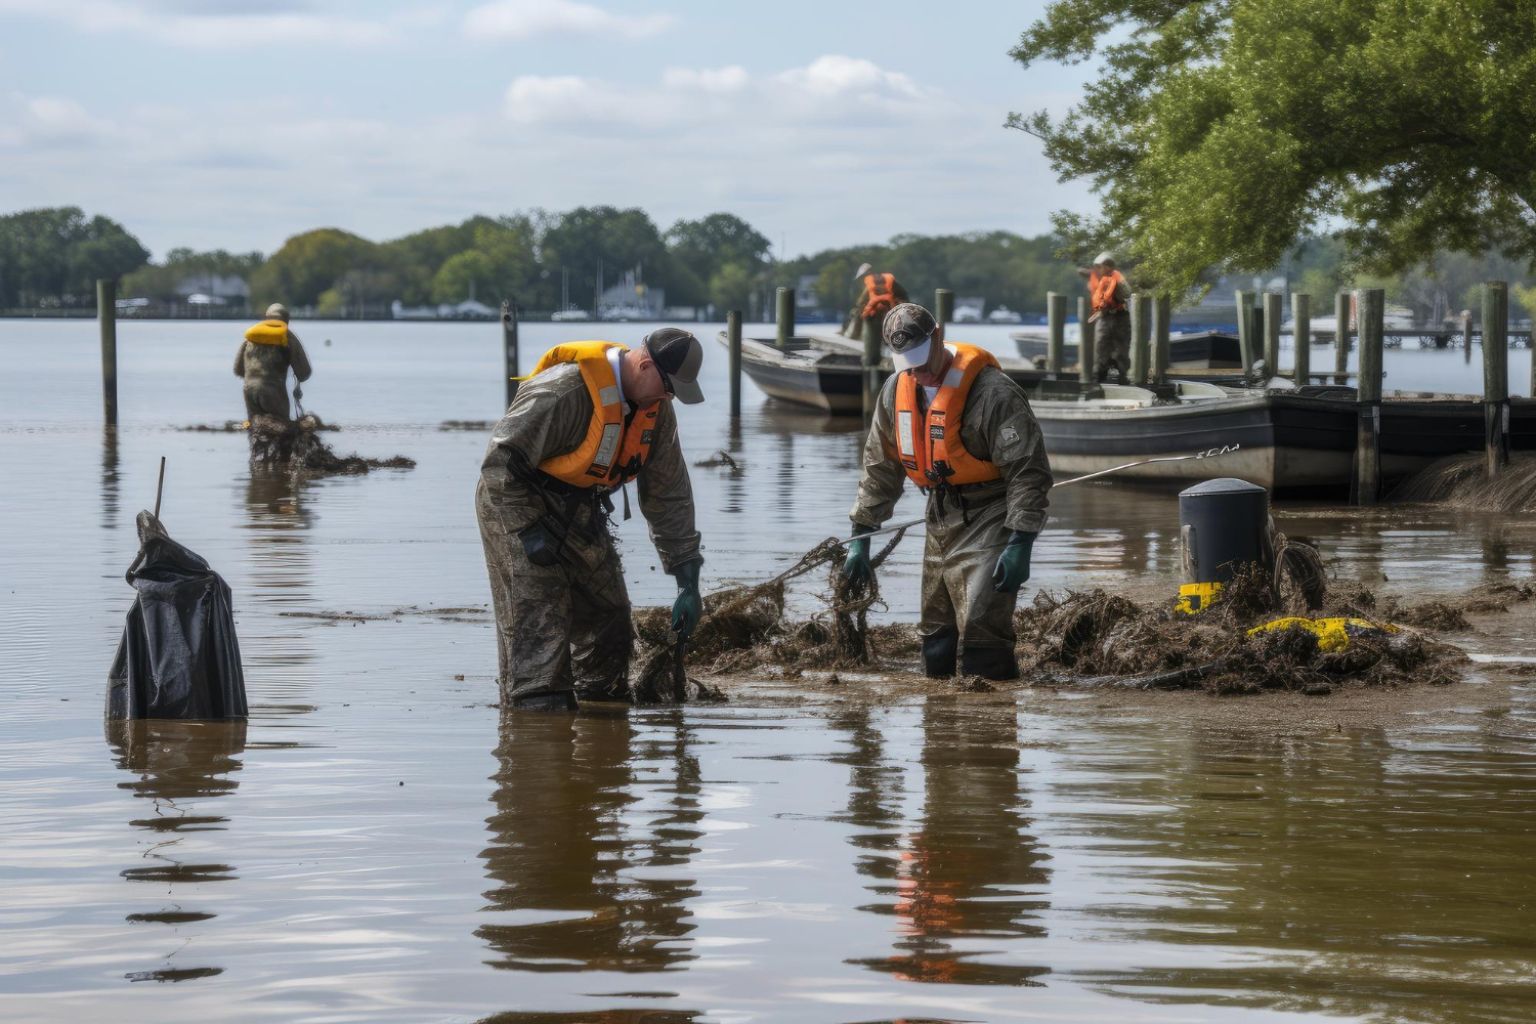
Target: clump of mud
241, 426
1098, 639
294, 445
1461, 481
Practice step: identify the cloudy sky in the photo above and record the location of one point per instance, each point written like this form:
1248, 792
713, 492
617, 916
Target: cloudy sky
236, 123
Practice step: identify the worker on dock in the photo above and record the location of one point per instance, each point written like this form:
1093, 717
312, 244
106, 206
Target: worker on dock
263, 360
877, 295
592, 416
953, 423
1109, 296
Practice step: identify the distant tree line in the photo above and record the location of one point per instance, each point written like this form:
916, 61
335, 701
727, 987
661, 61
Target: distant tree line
52, 257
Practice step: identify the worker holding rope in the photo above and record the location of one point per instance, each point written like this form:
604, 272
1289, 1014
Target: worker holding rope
952, 422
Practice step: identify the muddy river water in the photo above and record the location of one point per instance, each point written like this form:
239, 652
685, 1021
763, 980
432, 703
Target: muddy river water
373, 846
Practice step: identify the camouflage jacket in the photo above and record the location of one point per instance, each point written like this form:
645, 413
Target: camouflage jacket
549, 417
997, 426
259, 364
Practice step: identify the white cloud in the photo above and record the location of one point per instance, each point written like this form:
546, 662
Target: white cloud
713, 80
524, 19
224, 24
834, 76
48, 121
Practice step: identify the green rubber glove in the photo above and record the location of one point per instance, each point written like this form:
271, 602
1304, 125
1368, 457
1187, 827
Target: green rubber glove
857, 569
688, 609
1012, 570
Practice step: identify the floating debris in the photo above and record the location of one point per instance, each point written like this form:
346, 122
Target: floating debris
309, 420
294, 445
720, 459
466, 425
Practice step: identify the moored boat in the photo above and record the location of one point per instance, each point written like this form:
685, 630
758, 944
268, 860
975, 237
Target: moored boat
1211, 350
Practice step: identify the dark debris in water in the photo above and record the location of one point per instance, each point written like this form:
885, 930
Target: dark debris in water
295, 446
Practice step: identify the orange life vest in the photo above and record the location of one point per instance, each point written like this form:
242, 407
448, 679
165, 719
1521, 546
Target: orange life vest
1102, 288
613, 450
928, 441
268, 332
881, 289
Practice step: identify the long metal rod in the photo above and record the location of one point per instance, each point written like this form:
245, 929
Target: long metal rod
1209, 453
160, 487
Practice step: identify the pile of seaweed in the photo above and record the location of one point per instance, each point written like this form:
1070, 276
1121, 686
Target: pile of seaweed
1098, 639
296, 446
1462, 481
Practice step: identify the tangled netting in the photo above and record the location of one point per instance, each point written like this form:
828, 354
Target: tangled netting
296, 446
744, 627
1098, 639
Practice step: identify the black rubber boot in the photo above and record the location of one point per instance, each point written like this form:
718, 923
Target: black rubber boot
989, 663
939, 653
563, 700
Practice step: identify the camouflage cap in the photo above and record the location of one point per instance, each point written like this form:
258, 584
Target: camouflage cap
907, 329
277, 311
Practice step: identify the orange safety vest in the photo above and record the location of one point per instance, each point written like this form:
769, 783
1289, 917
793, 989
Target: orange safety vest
928, 442
613, 450
1102, 288
268, 332
881, 289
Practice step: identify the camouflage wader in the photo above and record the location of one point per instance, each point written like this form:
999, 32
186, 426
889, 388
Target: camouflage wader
563, 627
965, 623
1112, 344
264, 368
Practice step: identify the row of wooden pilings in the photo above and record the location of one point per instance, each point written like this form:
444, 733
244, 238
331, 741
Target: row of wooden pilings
1150, 334
1259, 319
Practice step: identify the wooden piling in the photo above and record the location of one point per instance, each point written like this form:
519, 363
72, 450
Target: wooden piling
1341, 306
943, 305
1085, 345
1162, 326
1301, 338
784, 317
733, 358
1496, 374
1245, 339
871, 367
509, 359
106, 315
1271, 330
1466, 342
1056, 331
1141, 337
1365, 484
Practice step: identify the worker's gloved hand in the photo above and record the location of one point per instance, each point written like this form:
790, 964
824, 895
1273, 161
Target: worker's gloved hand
857, 569
1012, 569
689, 606
539, 544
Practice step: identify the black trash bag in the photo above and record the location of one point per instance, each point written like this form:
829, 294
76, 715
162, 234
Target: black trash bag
179, 657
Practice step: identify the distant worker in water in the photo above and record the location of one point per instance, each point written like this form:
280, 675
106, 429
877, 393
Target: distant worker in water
593, 416
264, 358
1109, 296
953, 423
878, 294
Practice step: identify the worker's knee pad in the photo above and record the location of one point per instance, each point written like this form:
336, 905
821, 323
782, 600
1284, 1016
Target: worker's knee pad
939, 652
989, 662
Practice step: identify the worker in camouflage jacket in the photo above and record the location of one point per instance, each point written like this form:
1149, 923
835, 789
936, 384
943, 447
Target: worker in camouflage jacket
877, 295
953, 423
263, 360
592, 417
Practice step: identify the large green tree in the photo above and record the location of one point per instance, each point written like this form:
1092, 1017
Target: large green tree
1218, 132
312, 263
56, 255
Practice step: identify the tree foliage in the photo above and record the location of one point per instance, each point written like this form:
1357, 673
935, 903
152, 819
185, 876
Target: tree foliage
1218, 132
56, 255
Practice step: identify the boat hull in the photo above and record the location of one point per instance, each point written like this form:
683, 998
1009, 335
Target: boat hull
1208, 350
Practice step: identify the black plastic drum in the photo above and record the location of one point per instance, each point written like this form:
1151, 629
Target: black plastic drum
1224, 527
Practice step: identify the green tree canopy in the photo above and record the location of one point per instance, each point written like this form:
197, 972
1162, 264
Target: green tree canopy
312, 263
1218, 132
58, 253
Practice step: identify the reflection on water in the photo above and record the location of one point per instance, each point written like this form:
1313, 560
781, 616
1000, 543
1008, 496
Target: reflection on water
576, 885
966, 881
278, 519
1340, 875
111, 504
179, 767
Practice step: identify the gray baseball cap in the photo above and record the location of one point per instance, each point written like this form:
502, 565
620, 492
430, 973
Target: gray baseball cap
277, 311
678, 355
908, 330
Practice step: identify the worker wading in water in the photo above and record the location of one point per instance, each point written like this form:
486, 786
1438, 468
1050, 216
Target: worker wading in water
955, 425
878, 295
263, 361
1108, 295
593, 416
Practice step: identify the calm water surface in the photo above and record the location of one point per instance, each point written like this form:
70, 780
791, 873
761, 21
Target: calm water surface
372, 846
